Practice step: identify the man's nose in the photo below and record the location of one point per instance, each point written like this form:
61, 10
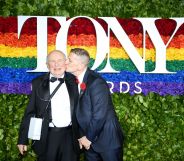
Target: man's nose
56, 63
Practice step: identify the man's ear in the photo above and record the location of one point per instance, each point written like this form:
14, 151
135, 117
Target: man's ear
81, 66
47, 65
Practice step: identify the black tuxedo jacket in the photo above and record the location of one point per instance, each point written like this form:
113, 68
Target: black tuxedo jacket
96, 115
37, 107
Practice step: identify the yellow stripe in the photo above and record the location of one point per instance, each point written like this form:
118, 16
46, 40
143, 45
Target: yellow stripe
115, 53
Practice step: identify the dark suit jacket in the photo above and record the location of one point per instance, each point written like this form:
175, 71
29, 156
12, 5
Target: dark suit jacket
96, 115
37, 107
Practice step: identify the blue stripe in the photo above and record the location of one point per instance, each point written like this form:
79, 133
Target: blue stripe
136, 76
20, 75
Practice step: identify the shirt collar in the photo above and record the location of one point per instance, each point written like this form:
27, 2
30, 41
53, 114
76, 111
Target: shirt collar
51, 75
81, 76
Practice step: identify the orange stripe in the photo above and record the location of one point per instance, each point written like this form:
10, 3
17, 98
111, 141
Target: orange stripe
115, 53
11, 39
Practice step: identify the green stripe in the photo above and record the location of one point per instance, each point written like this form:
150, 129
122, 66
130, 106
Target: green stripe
20, 62
117, 64
127, 65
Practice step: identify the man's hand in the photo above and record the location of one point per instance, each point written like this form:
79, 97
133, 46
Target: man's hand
84, 142
22, 148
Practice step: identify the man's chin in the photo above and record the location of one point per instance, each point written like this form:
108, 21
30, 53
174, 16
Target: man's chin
57, 74
68, 70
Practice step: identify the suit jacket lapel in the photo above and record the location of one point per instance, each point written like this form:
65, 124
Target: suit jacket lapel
43, 91
72, 90
85, 80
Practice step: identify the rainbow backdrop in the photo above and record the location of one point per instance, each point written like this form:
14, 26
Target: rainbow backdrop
18, 56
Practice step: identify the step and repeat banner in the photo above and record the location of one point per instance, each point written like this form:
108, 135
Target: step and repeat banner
138, 55
142, 60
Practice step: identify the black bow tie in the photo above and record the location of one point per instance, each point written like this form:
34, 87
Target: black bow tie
53, 79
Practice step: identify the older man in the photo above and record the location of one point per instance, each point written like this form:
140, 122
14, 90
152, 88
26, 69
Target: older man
58, 140
100, 131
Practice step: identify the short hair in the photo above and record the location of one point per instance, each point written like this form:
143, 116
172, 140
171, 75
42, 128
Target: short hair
82, 53
58, 51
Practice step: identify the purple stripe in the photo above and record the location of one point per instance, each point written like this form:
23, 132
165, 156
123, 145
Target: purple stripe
158, 87
15, 88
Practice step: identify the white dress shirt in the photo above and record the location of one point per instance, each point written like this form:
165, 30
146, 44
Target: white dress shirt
60, 105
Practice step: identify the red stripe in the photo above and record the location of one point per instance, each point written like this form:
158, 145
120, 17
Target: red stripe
84, 26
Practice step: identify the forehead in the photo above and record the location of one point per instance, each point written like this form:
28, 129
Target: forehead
56, 55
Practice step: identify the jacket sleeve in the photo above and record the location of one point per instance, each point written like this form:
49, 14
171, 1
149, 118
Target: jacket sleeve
29, 112
99, 94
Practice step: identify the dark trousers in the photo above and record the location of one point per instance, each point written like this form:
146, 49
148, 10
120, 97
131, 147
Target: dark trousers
111, 155
59, 146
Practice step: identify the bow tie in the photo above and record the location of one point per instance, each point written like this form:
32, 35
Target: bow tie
53, 79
